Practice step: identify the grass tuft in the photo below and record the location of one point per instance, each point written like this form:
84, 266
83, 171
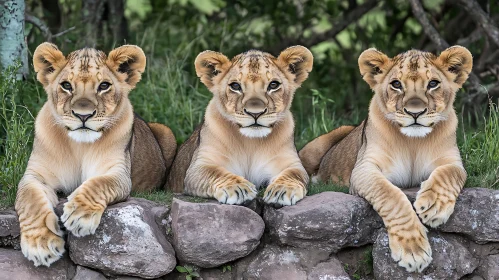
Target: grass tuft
16, 131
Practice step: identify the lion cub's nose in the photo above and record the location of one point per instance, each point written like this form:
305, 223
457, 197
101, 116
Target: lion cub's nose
415, 114
415, 107
85, 117
255, 108
83, 109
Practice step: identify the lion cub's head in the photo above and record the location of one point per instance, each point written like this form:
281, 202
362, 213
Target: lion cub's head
416, 89
254, 89
86, 87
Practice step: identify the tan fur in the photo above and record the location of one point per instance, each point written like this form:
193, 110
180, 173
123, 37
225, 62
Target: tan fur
228, 159
94, 164
383, 154
313, 152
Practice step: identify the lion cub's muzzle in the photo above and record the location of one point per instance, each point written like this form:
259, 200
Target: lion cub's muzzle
415, 121
84, 110
255, 108
415, 108
255, 122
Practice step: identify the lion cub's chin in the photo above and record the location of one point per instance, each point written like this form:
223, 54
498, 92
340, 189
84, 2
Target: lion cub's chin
416, 131
84, 135
255, 132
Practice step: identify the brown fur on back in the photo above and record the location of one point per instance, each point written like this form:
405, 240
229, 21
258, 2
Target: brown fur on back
183, 161
311, 155
153, 148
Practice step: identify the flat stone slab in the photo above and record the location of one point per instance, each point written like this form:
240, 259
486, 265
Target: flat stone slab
209, 235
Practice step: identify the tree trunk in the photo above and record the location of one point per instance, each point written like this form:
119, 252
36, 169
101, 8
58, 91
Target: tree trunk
93, 10
117, 21
105, 22
12, 43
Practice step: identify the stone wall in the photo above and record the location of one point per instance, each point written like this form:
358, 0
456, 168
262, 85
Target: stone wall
325, 236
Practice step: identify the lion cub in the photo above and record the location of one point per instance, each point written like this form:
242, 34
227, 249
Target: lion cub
246, 140
408, 139
88, 143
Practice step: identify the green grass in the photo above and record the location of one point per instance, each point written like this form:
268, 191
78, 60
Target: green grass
16, 123
319, 188
480, 152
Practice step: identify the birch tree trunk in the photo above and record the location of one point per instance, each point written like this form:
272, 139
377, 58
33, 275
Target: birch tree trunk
12, 43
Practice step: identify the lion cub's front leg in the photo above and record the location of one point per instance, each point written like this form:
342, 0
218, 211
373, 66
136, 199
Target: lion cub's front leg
85, 206
41, 237
289, 187
407, 236
217, 182
437, 197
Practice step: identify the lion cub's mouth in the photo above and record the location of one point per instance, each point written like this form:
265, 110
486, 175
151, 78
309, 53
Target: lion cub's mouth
416, 125
82, 128
256, 125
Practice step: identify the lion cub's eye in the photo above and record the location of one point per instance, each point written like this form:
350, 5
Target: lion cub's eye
235, 86
104, 86
66, 86
273, 85
396, 84
433, 84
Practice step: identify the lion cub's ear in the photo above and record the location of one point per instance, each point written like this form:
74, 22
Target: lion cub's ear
209, 64
48, 61
128, 62
456, 61
298, 60
372, 64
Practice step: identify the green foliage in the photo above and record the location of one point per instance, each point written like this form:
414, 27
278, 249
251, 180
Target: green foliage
226, 267
16, 126
189, 272
480, 152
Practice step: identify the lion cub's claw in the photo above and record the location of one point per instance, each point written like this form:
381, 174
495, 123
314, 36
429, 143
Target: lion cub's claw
41, 245
431, 209
412, 252
237, 193
282, 195
80, 217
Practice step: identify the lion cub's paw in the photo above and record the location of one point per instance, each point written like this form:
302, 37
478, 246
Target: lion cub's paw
81, 216
43, 245
236, 193
432, 208
281, 194
411, 249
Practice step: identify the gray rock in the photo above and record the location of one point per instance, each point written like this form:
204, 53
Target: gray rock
13, 266
128, 241
476, 215
329, 270
209, 235
451, 259
328, 221
9, 229
489, 268
275, 262
83, 273
215, 274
